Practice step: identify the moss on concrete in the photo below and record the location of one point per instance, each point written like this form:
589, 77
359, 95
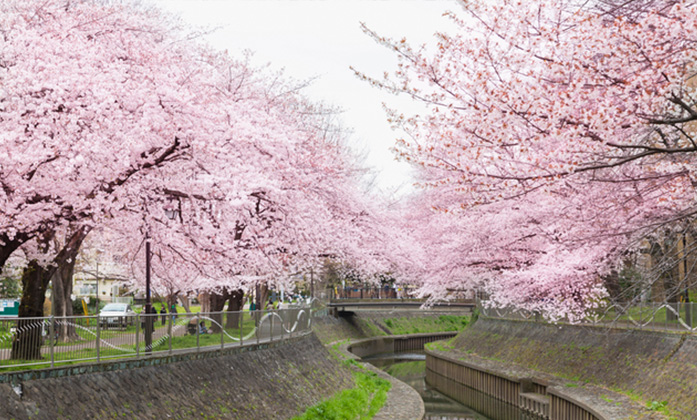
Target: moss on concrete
652, 367
272, 383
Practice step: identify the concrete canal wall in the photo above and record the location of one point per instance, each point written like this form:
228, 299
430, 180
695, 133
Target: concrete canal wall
267, 381
395, 343
526, 362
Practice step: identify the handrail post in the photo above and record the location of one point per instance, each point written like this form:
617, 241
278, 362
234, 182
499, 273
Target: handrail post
198, 320
241, 325
169, 332
271, 326
137, 335
222, 330
52, 334
99, 336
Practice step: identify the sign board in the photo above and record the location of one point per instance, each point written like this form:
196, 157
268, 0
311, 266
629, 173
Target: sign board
9, 307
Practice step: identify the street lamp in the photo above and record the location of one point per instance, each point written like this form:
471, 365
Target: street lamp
148, 301
149, 319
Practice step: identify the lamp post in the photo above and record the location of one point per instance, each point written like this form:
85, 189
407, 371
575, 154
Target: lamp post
96, 299
149, 318
148, 301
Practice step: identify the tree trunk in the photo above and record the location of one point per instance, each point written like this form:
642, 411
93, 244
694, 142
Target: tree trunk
262, 296
185, 304
217, 301
27, 342
63, 327
35, 279
62, 289
205, 299
235, 304
63, 282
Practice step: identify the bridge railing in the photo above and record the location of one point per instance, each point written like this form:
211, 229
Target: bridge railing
51, 341
672, 316
369, 293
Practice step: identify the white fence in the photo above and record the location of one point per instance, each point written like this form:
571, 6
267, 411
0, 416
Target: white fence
677, 316
48, 341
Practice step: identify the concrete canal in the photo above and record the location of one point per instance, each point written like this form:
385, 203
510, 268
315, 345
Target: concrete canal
410, 368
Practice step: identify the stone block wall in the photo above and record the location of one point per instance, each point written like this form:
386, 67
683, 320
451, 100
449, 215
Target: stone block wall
277, 382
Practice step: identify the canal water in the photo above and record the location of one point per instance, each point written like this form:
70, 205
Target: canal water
410, 368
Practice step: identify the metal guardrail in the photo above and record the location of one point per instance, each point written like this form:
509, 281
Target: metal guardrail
386, 303
51, 341
678, 316
369, 293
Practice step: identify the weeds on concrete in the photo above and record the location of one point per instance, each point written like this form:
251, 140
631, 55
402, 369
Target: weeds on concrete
361, 402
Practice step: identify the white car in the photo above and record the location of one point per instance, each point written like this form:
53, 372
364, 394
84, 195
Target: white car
117, 314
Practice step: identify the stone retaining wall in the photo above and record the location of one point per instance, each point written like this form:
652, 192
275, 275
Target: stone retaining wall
276, 381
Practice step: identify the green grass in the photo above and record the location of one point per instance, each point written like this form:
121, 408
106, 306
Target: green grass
414, 325
179, 342
361, 402
441, 345
643, 314
62, 359
659, 406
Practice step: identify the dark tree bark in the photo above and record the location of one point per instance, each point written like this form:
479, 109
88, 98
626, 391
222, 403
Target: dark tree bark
11, 245
27, 342
35, 279
217, 301
262, 296
63, 283
261, 299
235, 304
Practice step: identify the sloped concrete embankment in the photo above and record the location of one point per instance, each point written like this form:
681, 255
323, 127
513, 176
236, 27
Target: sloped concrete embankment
648, 365
275, 381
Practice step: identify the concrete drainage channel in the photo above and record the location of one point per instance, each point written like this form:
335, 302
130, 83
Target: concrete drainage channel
460, 379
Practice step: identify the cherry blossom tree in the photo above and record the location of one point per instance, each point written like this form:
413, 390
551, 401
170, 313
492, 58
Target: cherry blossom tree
93, 94
569, 118
271, 191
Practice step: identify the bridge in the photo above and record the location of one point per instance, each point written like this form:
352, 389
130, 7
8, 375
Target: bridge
346, 305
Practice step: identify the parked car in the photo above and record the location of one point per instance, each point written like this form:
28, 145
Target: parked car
117, 314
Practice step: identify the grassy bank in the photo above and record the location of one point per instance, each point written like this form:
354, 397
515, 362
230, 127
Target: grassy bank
440, 323
361, 402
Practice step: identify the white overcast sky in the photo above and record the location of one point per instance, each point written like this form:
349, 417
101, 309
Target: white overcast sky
322, 39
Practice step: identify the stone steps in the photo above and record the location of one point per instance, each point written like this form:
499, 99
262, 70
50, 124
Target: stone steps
534, 403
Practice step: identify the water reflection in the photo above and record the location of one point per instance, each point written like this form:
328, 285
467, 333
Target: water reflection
411, 369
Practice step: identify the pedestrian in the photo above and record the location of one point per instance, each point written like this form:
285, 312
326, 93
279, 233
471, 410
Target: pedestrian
173, 311
163, 313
